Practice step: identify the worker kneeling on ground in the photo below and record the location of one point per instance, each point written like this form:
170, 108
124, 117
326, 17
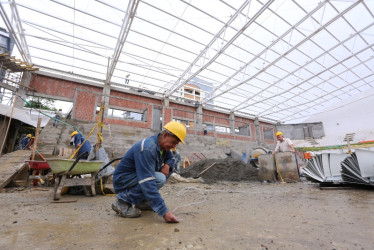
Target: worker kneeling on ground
283, 144
144, 170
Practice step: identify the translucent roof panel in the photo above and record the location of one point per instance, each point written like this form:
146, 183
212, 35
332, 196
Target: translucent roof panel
277, 60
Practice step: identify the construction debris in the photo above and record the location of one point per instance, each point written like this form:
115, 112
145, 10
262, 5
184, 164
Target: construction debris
227, 169
358, 168
324, 167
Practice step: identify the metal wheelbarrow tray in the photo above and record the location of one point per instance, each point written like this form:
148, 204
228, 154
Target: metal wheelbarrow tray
59, 166
64, 169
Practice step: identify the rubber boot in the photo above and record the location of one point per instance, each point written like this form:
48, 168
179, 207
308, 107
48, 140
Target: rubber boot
125, 210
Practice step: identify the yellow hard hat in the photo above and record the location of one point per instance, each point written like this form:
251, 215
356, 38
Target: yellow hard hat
278, 133
74, 133
29, 135
178, 129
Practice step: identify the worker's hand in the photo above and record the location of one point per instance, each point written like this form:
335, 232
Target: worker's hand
273, 152
169, 217
165, 169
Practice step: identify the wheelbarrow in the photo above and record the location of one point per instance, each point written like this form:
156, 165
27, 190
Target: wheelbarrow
83, 172
36, 168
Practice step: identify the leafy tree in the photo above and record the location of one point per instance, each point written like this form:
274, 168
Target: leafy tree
41, 103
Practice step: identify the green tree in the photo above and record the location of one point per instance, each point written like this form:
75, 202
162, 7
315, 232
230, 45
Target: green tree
41, 103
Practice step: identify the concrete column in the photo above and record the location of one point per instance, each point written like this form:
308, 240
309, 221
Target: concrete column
105, 98
166, 101
166, 112
257, 130
25, 82
232, 123
199, 117
75, 104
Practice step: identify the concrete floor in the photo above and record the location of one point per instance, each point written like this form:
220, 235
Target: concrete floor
234, 216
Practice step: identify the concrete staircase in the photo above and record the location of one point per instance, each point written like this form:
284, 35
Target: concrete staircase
49, 137
118, 140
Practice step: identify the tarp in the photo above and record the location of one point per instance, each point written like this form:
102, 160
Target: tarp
23, 115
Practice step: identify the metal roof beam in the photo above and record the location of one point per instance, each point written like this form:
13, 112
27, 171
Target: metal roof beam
65, 20
188, 74
316, 75
327, 69
287, 52
127, 21
315, 99
260, 54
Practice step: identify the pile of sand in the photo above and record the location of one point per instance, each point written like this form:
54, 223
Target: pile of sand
228, 169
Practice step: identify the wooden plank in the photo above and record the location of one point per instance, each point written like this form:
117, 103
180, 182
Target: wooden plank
11, 165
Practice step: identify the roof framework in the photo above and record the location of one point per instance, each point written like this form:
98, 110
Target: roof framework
279, 60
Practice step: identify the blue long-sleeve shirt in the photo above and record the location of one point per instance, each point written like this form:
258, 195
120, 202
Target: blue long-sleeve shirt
24, 142
139, 166
78, 140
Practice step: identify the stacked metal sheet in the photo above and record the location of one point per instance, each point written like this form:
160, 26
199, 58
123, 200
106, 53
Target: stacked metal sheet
358, 168
325, 167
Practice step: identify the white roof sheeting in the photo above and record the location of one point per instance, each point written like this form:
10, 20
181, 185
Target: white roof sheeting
280, 60
23, 115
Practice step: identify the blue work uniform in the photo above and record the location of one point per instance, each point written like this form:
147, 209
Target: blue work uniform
137, 176
24, 142
86, 147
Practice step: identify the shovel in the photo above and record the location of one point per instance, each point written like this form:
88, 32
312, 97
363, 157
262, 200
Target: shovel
197, 176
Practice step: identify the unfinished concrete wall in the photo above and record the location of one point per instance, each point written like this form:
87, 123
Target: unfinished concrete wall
302, 131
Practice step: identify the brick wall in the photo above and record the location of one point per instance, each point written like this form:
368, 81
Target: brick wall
87, 97
84, 108
167, 115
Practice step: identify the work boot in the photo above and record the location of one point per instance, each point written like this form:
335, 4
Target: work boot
144, 205
125, 210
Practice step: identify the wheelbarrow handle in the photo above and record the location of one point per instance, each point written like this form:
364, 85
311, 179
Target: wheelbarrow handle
76, 161
106, 165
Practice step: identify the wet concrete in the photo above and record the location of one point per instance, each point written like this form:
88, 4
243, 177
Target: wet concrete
235, 215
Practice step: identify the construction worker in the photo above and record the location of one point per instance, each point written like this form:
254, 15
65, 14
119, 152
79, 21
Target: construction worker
58, 117
77, 139
283, 144
144, 170
205, 130
25, 141
30, 142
